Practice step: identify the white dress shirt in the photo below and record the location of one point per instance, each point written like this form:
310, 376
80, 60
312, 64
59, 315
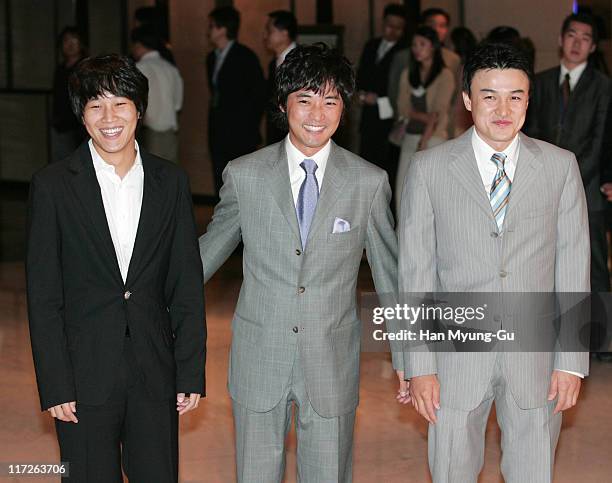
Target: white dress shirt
165, 92
281, 58
296, 174
574, 74
220, 55
488, 169
384, 47
122, 200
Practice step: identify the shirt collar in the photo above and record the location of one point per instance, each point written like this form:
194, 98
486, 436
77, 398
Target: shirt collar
223, 52
102, 166
295, 156
574, 74
281, 58
154, 54
484, 152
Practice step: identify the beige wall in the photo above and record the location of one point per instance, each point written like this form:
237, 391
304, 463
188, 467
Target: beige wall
540, 20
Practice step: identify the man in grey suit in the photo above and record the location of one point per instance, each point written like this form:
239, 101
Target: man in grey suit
304, 209
494, 211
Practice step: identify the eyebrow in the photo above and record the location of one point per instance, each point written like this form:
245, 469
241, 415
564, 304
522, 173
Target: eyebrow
586, 34
515, 91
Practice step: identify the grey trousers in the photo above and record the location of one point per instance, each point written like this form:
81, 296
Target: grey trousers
324, 445
529, 438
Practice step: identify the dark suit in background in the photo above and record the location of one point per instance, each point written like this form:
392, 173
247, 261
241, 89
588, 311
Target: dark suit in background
373, 76
237, 101
580, 129
273, 133
121, 350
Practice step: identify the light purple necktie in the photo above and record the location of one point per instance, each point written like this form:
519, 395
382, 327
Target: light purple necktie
307, 199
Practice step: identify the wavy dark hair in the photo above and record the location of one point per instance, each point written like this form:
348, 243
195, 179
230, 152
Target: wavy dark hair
115, 74
488, 56
314, 68
437, 64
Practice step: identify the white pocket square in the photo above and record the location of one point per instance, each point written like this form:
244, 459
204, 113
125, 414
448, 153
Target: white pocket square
341, 226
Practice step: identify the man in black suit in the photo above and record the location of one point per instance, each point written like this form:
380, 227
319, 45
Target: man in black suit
280, 33
114, 281
373, 82
237, 93
568, 108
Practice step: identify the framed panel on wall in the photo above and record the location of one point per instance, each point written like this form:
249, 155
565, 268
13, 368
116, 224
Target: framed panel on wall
331, 35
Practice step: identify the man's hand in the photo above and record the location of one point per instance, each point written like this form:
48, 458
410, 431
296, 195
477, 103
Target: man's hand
425, 396
64, 412
567, 387
606, 189
185, 404
403, 396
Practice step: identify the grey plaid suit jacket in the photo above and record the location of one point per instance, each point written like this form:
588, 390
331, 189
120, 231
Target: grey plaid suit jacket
448, 243
300, 299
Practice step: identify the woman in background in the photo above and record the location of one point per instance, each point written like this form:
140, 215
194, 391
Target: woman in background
424, 100
66, 130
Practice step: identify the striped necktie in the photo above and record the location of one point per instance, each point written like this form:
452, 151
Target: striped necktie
307, 199
500, 190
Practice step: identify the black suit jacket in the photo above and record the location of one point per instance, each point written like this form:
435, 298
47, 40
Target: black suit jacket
79, 306
581, 130
237, 103
373, 76
273, 133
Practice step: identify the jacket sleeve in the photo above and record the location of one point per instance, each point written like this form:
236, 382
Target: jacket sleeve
52, 363
184, 293
223, 232
441, 102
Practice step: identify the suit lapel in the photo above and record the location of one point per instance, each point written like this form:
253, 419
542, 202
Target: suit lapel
87, 189
150, 217
333, 181
464, 167
280, 187
526, 167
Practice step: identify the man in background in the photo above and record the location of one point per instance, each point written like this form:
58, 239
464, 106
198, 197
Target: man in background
159, 129
237, 92
279, 37
372, 84
569, 108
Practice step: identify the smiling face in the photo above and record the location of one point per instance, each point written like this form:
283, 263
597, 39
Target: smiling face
313, 118
498, 102
576, 44
111, 122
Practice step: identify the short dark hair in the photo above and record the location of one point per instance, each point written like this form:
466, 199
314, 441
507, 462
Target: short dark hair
581, 17
227, 17
312, 67
504, 34
395, 9
148, 36
488, 55
115, 74
285, 20
430, 12
72, 31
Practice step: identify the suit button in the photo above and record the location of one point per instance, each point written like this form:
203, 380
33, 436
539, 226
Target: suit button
127, 295
295, 330
301, 290
298, 252
494, 235
503, 274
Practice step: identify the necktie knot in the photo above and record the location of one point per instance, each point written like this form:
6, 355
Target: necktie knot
309, 166
499, 159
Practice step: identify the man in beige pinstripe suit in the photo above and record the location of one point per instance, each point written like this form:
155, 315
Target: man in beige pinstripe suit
296, 331
494, 211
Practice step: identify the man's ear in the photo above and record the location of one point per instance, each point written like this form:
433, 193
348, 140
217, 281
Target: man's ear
467, 102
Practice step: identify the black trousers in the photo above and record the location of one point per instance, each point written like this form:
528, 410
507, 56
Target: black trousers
129, 429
